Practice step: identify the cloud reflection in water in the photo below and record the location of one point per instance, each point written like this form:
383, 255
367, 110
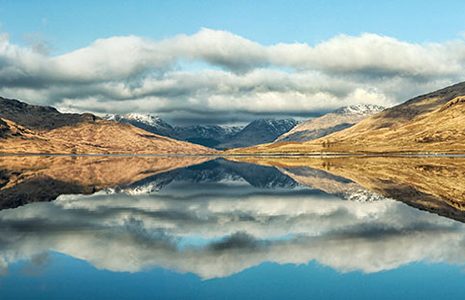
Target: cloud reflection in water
221, 233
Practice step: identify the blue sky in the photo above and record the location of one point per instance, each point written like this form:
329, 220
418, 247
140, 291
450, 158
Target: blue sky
69, 25
227, 61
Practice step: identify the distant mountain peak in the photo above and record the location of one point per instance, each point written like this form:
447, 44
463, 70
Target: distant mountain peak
360, 109
273, 122
259, 131
145, 118
148, 122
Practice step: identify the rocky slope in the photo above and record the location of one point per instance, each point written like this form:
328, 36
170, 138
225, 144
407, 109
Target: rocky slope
34, 129
431, 123
337, 120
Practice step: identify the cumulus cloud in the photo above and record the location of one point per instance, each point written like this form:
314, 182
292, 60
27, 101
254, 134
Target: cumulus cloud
214, 71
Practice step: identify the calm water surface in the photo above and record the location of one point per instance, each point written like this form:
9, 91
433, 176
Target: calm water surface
203, 228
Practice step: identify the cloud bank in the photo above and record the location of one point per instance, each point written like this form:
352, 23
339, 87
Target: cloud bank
195, 77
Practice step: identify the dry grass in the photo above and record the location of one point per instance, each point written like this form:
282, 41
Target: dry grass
99, 137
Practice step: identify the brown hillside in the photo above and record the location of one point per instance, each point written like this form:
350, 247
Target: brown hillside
98, 137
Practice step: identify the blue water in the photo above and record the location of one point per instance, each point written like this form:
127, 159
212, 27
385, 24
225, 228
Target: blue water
63, 275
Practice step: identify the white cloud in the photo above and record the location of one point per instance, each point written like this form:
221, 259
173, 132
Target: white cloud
374, 54
231, 74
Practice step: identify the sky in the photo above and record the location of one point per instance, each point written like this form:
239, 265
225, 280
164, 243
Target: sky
194, 62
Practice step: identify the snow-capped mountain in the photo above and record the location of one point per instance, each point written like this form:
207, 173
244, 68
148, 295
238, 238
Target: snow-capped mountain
147, 122
259, 132
145, 118
359, 109
337, 120
206, 135
215, 136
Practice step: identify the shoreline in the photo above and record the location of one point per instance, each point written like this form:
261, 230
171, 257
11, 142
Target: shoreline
217, 155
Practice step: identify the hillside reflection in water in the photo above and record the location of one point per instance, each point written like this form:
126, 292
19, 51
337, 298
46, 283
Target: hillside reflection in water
216, 217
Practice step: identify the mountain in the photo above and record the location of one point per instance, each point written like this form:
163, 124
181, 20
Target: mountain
206, 135
215, 136
337, 120
431, 123
258, 132
36, 129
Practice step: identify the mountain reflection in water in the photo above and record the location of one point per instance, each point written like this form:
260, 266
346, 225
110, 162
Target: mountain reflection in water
215, 217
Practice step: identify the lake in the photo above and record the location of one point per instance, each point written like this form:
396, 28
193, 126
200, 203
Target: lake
133, 227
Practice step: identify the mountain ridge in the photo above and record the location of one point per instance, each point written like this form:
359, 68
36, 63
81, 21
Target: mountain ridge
32, 129
429, 123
